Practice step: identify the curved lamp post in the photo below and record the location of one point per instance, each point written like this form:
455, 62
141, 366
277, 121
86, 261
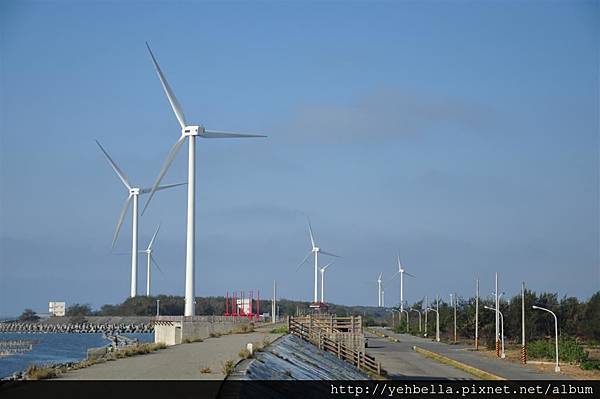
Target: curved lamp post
437, 323
405, 311
503, 355
557, 367
419, 312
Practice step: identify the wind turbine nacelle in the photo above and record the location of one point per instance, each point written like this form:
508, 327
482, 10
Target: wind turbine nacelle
192, 130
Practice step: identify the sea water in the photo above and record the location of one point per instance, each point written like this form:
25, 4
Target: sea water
55, 348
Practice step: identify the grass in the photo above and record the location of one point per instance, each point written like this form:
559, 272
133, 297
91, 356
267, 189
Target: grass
244, 329
228, 367
205, 370
214, 335
192, 340
36, 372
245, 354
280, 330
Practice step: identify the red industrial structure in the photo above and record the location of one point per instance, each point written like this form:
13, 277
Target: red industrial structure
242, 306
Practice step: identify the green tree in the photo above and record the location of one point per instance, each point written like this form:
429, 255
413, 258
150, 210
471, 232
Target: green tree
29, 315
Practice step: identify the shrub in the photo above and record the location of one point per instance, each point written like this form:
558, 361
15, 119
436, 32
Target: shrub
245, 354
228, 367
280, 330
35, 372
591, 364
205, 370
569, 350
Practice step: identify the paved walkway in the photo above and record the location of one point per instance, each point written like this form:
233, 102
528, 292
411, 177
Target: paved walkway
499, 367
401, 362
179, 362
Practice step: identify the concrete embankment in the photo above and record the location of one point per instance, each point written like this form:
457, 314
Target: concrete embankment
291, 358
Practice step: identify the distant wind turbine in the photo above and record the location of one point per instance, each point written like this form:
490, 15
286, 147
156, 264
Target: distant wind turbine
401, 272
315, 250
134, 192
148, 252
191, 132
323, 280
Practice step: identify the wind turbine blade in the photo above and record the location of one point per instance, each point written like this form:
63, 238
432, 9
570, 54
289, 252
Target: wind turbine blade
149, 189
214, 134
153, 237
394, 276
327, 265
304, 260
123, 253
115, 167
379, 278
121, 218
168, 91
164, 169
329, 254
312, 237
408, 274
156, 264
399, 265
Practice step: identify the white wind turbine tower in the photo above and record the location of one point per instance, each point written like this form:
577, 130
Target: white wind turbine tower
402, 272
379, 292
148, 252
323, 280
134, 193
315, 250
191, 132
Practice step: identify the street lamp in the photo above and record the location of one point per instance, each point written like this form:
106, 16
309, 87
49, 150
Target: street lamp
453, 303
437, 323
405, 311
419, 312
501, 329
557, 367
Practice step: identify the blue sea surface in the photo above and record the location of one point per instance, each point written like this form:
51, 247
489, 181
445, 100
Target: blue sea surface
55, 348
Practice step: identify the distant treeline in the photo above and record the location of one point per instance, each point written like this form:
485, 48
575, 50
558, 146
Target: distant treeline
575, 318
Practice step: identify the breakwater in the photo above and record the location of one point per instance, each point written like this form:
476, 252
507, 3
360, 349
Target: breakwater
108, 325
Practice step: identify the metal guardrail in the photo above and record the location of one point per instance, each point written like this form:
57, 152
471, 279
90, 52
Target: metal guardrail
323, 336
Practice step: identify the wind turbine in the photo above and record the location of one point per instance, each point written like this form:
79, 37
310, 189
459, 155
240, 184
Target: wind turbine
148, 252
315, 250
379, 292
134, 193
323, 279
191, 132
401, 272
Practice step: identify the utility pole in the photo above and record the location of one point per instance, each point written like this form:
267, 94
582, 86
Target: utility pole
453, 303
157, 307
523, 348
437, 319
426, 306
497, 317
274, 303
477, 314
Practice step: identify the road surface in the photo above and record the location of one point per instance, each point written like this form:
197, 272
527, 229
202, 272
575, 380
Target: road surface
461, 353
400, 361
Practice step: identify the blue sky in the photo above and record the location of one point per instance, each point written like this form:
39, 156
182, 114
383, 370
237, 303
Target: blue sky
462, 134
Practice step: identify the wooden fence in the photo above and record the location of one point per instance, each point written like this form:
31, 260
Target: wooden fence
325, 338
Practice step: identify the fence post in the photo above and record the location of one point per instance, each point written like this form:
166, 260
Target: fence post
339, 350
378, 368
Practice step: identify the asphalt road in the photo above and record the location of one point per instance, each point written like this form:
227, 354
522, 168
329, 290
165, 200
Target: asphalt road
461, 353
402, 362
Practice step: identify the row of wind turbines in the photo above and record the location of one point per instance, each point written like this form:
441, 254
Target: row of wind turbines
188, 132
